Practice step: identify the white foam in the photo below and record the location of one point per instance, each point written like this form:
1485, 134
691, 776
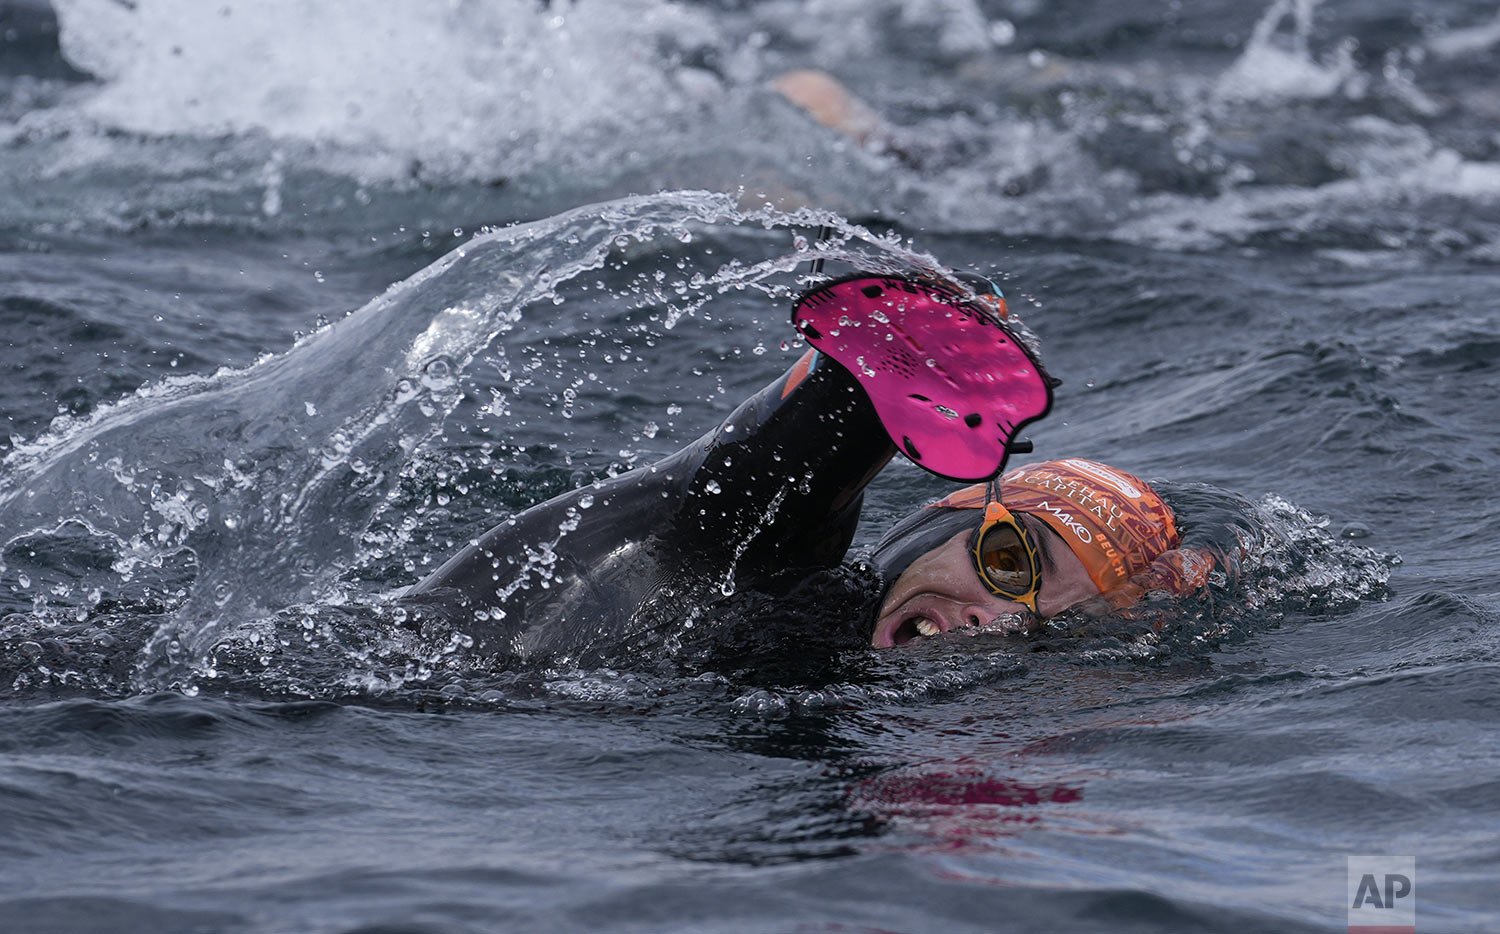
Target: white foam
1460, 42
438, 82
1280, 66
1389, 165
571, 101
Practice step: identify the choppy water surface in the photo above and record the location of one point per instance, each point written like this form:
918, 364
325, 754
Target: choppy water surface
295, 302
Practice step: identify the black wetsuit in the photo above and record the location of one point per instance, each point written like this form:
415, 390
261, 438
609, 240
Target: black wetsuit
772, 493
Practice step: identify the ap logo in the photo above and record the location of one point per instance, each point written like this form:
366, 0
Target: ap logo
1382, 895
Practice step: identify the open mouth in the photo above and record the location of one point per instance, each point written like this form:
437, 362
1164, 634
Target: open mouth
918, 622
915, 627
918, 626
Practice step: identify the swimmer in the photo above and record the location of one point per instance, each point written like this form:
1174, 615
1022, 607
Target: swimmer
772, 496
1042, 540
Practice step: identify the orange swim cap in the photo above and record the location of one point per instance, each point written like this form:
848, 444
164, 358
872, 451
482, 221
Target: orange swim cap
1112, 520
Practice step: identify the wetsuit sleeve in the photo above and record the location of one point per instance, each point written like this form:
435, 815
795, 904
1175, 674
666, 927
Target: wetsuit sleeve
778, 485
775, 488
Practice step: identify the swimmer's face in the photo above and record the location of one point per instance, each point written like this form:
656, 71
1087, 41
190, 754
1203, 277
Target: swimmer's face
942, 589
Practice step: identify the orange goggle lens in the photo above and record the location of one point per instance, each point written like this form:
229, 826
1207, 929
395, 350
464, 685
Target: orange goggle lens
1005, 558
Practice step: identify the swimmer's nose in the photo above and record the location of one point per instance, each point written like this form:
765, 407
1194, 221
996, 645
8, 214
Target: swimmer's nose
976, 614
983, 615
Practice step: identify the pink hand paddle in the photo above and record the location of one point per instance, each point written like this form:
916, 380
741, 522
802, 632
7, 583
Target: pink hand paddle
950, 383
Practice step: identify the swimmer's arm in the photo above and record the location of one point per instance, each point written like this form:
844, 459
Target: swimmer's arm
828, 102
778, 485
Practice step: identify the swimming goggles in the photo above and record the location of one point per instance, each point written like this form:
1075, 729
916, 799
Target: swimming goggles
1005, 557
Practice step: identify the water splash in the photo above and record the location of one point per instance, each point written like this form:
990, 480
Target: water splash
1275, 560
1277, 66
492, 88
227, 115
229, 497
1461, 42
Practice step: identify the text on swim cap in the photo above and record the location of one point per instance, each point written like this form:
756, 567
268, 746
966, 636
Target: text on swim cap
1066, 518
1106, 512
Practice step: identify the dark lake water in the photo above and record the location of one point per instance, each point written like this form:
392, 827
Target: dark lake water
297, 299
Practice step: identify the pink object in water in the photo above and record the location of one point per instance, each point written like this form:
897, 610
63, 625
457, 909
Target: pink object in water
951, 384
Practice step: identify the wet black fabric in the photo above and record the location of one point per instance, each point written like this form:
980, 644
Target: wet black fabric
771, 495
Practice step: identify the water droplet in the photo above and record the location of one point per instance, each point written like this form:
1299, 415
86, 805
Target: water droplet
586, 500
712, 486
437, 375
